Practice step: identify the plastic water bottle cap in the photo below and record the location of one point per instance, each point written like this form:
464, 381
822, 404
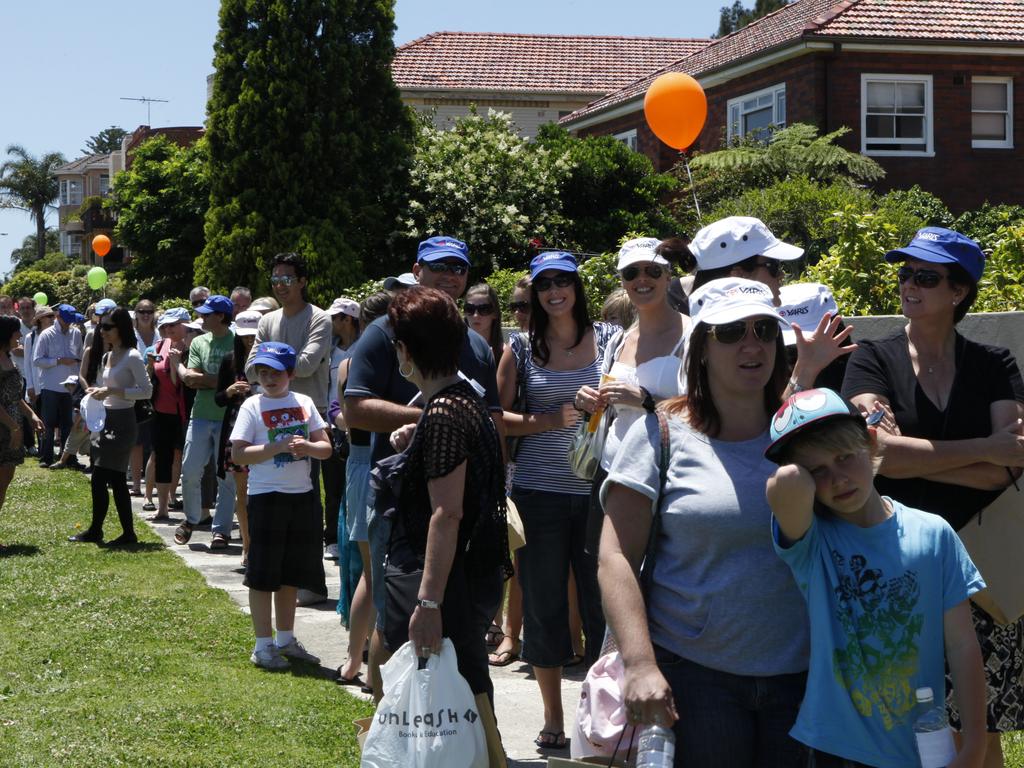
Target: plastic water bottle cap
925, 694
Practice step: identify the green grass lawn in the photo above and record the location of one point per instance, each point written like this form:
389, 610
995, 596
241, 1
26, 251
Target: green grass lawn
126, 657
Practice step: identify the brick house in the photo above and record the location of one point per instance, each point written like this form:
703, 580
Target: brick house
536, 78
927, 87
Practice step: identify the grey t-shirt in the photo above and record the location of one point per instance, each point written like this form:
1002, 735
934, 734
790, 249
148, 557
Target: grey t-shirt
720, 596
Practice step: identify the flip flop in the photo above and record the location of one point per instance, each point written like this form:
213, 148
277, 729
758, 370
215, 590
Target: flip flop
550, 740
355, 681
502, 659
494, 636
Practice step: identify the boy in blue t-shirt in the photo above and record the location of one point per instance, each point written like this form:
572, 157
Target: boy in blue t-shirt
886, 589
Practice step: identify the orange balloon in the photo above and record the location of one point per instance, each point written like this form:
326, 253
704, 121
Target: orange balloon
675, 107
101, 244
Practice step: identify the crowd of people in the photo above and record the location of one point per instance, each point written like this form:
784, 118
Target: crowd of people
769, 604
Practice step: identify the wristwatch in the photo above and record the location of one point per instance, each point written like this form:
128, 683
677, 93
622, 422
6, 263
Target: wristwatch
648, 402
431, 604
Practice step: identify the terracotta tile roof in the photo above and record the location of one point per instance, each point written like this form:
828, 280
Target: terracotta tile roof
996, 21
82, 164
963, 21
477, 61
780, 27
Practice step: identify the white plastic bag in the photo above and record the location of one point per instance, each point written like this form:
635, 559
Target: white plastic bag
427, 718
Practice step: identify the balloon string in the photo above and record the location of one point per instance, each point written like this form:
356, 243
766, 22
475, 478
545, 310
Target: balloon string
693, 189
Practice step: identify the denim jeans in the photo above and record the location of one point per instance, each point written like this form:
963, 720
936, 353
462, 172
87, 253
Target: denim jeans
733, 721
555, 526
201, 441
56, 412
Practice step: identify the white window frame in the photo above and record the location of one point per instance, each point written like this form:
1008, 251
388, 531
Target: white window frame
734, 110
71, 244
65, 192
104, 185
629, 138
927, 146
991, 143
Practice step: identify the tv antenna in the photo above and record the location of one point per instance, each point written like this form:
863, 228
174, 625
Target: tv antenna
147, 102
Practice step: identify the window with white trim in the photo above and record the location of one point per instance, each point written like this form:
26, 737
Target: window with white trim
992, 112
896, 114
628, 138
70, 191
71, 245
757, 113
104, 185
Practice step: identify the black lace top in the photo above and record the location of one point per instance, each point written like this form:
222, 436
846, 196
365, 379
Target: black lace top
456, 427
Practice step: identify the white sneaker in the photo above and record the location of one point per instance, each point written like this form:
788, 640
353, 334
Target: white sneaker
269, 658
295, 650
331, 552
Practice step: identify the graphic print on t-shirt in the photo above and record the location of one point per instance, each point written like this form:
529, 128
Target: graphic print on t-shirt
283, 424
878, 618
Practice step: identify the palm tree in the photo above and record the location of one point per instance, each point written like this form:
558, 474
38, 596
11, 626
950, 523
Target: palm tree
28, 184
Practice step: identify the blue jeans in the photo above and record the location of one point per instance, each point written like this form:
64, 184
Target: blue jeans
201, 441
733, 721
555, 526
56, 411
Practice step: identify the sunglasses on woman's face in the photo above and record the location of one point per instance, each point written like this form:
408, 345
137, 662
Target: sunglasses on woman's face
765, 329
519, 306
771, 266
144, 311
631, 272
484, 310
923, 278
542, 284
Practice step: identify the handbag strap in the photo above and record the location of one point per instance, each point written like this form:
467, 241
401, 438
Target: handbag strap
647, 566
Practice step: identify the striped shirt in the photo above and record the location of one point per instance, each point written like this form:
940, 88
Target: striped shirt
541, 461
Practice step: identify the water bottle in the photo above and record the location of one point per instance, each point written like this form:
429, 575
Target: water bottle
931, 730
656, 747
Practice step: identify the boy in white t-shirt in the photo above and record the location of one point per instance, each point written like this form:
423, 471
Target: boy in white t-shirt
275, 434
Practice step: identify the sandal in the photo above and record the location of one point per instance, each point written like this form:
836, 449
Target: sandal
176, 505
494, 636
550, 740
354, 681
183, 533
220, 541
149, 506
502, 658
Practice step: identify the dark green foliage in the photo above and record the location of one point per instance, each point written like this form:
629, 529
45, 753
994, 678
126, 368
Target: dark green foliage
28, 282
28, 184
161, 203
983, 223
309, 141
609, 190
106, 141
735, 17
917, 203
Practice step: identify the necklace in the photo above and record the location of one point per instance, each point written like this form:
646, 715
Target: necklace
570, 352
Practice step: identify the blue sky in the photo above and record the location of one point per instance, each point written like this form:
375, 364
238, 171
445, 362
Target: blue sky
67, 65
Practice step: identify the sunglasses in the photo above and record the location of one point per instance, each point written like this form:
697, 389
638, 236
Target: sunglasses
440, 267
923, 278
631, 272
107, 327
144, 311
519, 306
771, 266
286, 280
484, 310
765, 329
542, 284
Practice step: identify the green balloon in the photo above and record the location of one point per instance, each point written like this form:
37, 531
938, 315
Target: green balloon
40, 298
97, 277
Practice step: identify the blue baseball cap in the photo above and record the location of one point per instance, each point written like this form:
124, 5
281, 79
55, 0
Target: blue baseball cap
801, 410
172, 316
943, 246
103, 306
79, 318
67, 313
560, 260
275, 354
213, 304
442, 247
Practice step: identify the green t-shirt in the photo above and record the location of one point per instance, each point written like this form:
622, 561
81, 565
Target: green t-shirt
205, 355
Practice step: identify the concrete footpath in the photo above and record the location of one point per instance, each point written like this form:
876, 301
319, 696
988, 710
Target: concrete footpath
517, 698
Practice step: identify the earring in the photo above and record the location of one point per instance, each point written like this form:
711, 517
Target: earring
406, 374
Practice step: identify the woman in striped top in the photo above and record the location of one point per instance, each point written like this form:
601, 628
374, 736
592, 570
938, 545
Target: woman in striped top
564, 354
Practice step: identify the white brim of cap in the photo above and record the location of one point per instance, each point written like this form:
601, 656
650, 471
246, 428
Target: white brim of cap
742, 311
783, 251
641, 257
245, 331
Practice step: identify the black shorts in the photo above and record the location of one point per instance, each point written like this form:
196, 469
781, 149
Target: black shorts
285, 531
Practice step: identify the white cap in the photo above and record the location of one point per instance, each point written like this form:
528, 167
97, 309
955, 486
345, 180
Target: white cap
70, 381
805, 304
730, 240
344, 306
640, 250
94, 413
247, 322
404, 280
924, 694
732, 298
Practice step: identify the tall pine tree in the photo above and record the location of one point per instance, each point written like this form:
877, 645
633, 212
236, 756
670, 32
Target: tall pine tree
309, 141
